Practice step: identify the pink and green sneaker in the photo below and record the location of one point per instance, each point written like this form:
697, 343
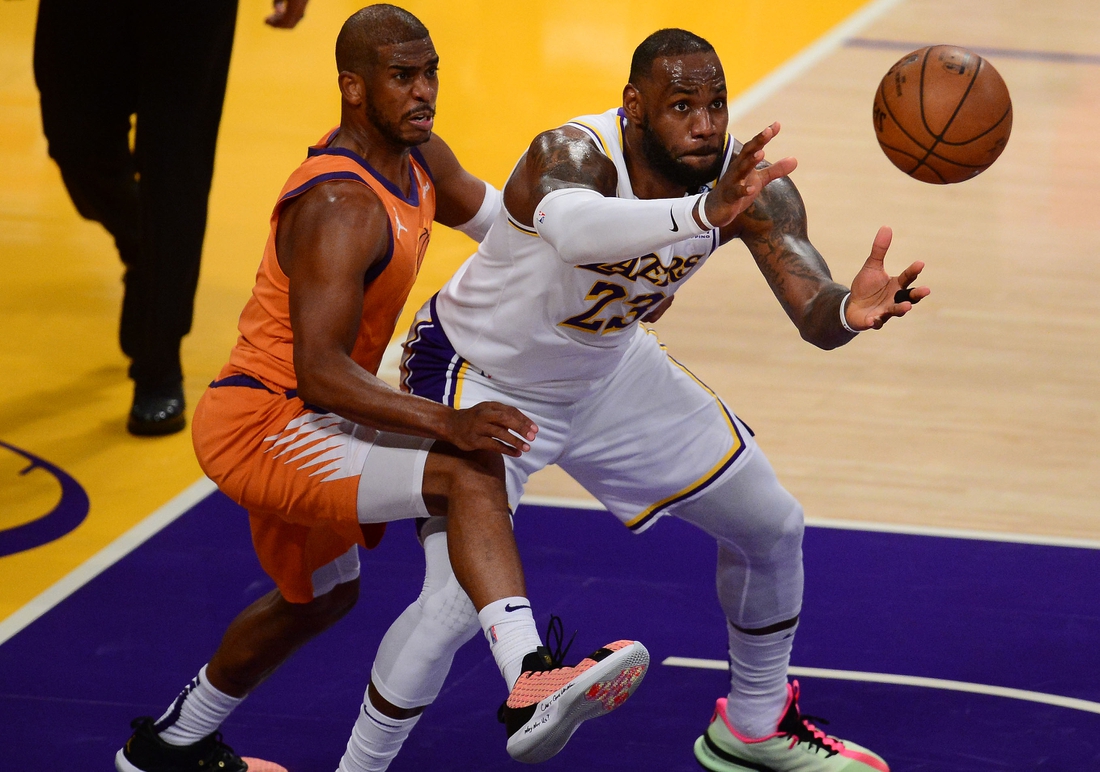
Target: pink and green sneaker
795, 746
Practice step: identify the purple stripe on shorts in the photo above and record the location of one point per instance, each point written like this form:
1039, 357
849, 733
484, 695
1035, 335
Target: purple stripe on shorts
430, 360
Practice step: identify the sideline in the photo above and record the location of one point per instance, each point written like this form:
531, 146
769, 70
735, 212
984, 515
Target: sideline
105, 558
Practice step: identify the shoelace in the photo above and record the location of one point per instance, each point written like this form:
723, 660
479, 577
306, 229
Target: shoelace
802, 730
555, 636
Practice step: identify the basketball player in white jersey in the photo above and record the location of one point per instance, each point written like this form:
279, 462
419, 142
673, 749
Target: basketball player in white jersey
603, 220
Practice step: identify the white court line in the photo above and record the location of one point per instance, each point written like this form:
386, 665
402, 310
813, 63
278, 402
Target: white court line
809, 56
901, 680
870, 527
105, 558
957, 533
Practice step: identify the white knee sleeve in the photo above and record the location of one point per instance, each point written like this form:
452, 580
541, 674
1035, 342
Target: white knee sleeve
416, 653
759, 527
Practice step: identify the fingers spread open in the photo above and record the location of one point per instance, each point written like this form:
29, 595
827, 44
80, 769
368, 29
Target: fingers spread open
880, 244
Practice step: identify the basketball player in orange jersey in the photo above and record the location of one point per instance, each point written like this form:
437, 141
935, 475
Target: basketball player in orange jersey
299, 430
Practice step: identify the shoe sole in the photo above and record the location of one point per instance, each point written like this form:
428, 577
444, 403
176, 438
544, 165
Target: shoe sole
707, 760
122, 764
599, 690
156, 428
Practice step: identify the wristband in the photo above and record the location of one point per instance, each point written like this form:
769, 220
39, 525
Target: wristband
478, 225
702, 204
843, 318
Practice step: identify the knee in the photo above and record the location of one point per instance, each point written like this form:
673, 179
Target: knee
788, 528
452, 473
325, 610
451, 611
779, 536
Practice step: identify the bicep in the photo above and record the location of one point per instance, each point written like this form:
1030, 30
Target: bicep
328, 241
557, 159
458, 193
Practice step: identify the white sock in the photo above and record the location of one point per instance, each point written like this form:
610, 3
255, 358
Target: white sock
509, 626
375, 740
758, 677
198, 711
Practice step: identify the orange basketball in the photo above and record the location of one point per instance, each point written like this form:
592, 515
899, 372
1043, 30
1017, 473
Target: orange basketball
942, 114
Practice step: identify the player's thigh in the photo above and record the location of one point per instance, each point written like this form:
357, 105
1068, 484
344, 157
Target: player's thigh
551, 419
431, 368
651, 436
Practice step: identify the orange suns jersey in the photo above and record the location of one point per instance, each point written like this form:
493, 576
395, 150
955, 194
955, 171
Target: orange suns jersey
265, 347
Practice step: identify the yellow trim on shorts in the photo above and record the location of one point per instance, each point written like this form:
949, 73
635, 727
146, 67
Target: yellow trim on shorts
736, 449
459, 380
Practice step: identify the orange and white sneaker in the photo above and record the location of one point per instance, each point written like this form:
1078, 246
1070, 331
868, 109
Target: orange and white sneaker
549, 701
795, 746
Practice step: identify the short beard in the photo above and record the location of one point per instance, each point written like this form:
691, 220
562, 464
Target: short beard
673, 169
390, 131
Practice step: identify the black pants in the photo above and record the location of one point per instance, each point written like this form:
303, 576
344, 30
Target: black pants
97, 64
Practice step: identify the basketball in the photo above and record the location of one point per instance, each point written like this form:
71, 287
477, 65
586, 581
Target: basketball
942, 114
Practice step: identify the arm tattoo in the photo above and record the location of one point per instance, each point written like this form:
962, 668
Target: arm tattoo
561, 160
775, 231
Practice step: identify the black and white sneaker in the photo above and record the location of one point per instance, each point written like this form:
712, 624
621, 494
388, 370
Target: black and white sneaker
550, 700
146, 752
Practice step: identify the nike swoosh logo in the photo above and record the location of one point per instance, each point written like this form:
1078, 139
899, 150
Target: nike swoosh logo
509, 608
674, 227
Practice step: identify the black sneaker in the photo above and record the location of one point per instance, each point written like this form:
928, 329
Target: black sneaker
157, 411
550, 700
146, 752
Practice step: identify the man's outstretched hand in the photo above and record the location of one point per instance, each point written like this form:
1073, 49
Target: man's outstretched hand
287, 13
744, 178
877, 297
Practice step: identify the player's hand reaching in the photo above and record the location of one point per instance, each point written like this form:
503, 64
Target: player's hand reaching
744, 179
286, 13
877, 296
492, 426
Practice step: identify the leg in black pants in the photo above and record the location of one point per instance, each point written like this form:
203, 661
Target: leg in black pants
96, 65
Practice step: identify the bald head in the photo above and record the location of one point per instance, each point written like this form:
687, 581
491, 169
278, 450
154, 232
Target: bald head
370, 29
663, 44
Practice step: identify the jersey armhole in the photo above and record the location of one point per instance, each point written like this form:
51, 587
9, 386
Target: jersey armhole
376, 270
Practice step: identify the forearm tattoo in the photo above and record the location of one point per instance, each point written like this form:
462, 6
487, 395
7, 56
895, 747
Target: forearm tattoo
774, 230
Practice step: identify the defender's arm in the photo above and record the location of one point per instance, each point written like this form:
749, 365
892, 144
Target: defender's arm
462, 201
327, 241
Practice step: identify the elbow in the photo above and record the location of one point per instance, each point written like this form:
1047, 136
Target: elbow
823, 342
309, 391
308, 374
576, 252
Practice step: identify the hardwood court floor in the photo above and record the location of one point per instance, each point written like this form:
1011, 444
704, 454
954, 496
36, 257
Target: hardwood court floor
982, 408
980, 411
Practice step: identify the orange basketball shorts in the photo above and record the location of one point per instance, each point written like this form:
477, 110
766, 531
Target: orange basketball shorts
315, 485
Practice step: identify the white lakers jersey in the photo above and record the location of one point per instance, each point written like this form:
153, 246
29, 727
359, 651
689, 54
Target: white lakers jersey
520, 314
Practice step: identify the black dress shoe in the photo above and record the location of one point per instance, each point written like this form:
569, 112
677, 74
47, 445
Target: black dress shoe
157, 411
